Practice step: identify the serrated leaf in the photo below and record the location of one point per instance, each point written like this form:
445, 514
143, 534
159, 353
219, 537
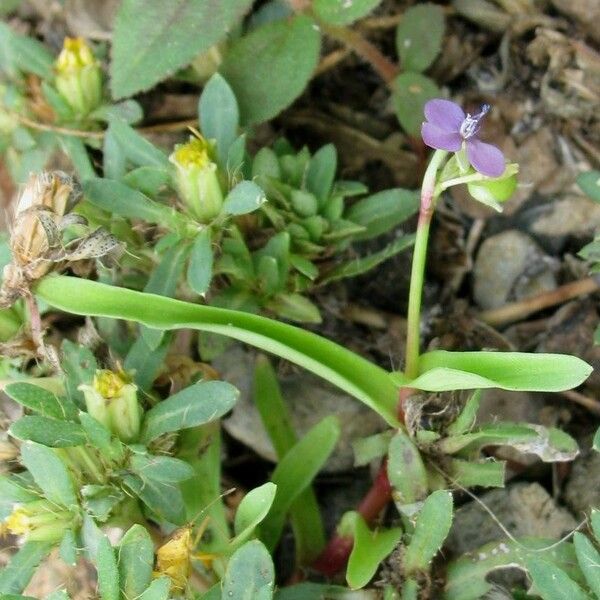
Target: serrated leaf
419, 36
431, 529
15, 576
152, 39
135, 560
244, 198
270, 67
411, 92
552, 583
383, 211
41, 401
50, 473
342, 12
195, 405
369, 550
295, 472
219, 115
252, 510
406, 471
518, 371
49, 432
250, 574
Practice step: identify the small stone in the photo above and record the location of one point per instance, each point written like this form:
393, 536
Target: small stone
524, 509
511, 266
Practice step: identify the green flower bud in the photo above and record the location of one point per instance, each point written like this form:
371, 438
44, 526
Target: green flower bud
40, 520
78, 76
197, 179
112, 400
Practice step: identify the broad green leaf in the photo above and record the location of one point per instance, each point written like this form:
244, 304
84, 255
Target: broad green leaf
419, 36
135, 561
108, 572
369, 550
49, 432
441, 371
431, 529
120, 199
158, 590
411, 92
589, 183
252, 510
406, 470
270, 67
342, 12
295, 472
152, 39
22, 53
589, 561
305, 513
250, 574
356, 376
383, 211
362, 264
50, 473
195, 405
161, 468
321, 172
467, 576
244, 198
41, 401
136, 148
219, 115
15, 576
552, 583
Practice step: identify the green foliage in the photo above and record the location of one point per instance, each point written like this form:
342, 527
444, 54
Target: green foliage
411, 92
250, 573
340, 12
152, 40
16, 575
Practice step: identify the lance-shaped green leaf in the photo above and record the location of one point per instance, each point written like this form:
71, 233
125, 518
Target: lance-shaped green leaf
338, 365
406, 470
252, 510
68, 548
195, 405
200, 268
320, 174
432, 527
370, 548
41, 401
108, 571
49, 432
15, 576
518, 371
250, 573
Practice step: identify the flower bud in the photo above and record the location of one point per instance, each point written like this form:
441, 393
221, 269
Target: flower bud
197, 179
78, 76
40, 520
112, 400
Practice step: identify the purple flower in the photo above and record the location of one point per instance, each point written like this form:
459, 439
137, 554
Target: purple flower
447, 127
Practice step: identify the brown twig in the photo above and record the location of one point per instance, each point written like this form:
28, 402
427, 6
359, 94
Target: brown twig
516, 311
589, 403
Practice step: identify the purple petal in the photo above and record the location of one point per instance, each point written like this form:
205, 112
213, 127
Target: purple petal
444, 114
485, 158
438, 138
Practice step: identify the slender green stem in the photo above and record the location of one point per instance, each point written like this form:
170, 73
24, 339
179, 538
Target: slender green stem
417, 276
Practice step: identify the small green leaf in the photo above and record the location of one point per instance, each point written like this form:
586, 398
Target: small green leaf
135, 561
49, 432
431, 529
406, 470
108, 572
244, 198
419, 36
129, 111
589, 183
321, 172
161, 468
411, 92
68, 548
295, 472
219, 115
342, 12
50, 473
252, 510
295, 307
369, 550
41, 401
469, 473
270, 67
372, 447
492, 192
250, 574
589, 561
383, 211
164, 499
552, 583
158, 590
15, 576
152, 39
22, 53
195, 405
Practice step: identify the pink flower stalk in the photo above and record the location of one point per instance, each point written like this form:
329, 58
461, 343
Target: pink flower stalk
448, 128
